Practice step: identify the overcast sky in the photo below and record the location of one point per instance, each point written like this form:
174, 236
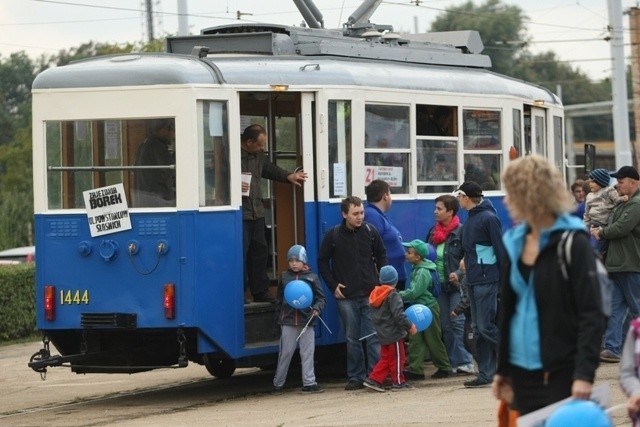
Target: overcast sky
574, 29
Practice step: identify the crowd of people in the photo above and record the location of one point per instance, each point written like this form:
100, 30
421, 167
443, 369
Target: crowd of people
519, 285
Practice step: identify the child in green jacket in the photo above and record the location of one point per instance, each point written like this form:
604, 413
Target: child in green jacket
418, 291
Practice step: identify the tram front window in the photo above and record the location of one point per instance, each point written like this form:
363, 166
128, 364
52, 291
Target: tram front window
87, 154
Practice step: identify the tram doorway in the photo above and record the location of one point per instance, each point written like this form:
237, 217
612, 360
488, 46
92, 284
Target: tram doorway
280, 114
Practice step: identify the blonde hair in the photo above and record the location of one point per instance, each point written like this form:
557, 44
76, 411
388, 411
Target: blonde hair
536, 188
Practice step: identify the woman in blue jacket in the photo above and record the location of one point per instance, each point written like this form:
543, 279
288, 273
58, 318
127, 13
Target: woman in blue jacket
550, 327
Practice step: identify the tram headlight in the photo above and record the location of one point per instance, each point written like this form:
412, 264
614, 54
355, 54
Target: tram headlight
169, 301
50, 302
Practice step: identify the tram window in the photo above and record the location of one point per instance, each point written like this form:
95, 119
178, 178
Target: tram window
558, 142
437, 160
386, 126
390, 167
481, 130
436, 120
541, 136
339, 147
214, 159
485, 169
87, 154
517, 131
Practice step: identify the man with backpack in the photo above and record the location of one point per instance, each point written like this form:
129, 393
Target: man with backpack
348, 260
483, 254
423, 283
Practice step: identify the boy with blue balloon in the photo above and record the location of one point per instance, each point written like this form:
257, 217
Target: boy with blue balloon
392, 326
300, 300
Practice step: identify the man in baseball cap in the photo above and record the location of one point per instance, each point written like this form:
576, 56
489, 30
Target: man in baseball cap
622, 260
626, 172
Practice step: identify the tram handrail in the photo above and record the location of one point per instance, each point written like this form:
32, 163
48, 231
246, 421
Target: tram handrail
107, 168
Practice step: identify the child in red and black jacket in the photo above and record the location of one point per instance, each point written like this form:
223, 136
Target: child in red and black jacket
391, 326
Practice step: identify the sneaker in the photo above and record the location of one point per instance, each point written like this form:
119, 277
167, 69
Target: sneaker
441, 373
373, 385
413, 376
609, 356
354, 385
315, 388
387, 383
277, 390
477, 383
401, 387
466, 369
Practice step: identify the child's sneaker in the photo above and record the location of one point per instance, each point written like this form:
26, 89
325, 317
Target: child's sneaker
401, 387
315, 388
373, 385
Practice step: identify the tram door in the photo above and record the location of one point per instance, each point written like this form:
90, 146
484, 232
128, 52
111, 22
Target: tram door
535, 131
280, 114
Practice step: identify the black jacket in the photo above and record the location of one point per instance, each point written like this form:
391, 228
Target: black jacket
353, 259
570, 319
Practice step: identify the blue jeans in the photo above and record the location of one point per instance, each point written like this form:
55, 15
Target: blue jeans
355, 314
453, 330
625, 301
484, 304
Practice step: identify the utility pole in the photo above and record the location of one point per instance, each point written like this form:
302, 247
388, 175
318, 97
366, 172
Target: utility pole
183, 18
149, 8
634, 29
619, 86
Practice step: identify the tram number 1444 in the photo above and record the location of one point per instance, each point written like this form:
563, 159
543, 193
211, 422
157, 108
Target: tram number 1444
74, 296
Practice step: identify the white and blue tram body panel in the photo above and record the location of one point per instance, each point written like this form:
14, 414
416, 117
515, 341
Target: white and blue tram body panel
203, 257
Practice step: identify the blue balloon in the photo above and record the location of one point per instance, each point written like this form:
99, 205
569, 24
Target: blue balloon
419, 315
433, 254
579, 413
298, 294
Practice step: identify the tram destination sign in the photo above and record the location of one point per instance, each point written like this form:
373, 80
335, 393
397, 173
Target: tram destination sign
107, 210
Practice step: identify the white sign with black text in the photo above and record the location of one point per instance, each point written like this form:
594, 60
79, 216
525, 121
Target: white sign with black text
107, 210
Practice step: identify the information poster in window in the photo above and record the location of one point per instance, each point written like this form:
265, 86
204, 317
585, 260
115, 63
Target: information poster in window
107, 210
339, 179
391, 174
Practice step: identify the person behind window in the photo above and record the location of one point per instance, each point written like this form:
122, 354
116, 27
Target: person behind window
439, 122
156, 187
440, 172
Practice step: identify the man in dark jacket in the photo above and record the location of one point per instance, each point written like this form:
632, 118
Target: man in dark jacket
256, 251
348, 262
483, 252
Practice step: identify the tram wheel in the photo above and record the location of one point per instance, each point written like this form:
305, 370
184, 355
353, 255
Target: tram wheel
219, 368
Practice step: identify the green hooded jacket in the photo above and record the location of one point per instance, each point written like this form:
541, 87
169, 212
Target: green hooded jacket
418, 290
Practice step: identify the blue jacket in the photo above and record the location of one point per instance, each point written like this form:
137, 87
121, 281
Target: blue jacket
549, 322
390, 237
482, 245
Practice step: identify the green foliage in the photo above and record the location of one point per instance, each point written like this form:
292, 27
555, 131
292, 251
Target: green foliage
17, 299
499, 26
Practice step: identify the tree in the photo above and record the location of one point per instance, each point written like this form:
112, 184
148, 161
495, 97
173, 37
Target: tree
501, 28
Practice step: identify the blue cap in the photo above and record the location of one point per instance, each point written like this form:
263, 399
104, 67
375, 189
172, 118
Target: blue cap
297, 252
388, 275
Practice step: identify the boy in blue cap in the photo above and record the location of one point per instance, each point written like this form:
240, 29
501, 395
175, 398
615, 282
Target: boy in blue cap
418, 291
391, 326
293, 321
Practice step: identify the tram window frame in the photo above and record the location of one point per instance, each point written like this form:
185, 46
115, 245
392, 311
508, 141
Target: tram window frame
339, 147
214, 154
85, 154
558, 142
387, 149
482, 161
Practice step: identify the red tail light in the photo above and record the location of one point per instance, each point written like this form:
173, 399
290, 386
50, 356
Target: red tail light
169, 301
50, 302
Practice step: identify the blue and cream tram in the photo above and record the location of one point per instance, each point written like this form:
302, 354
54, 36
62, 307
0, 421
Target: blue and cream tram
125, 284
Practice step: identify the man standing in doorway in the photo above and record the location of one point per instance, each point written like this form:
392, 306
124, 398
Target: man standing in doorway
256, 251
622, 261
483, 252
378, 204
350, 256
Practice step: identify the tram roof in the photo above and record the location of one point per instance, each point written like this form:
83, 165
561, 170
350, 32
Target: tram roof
267, 55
